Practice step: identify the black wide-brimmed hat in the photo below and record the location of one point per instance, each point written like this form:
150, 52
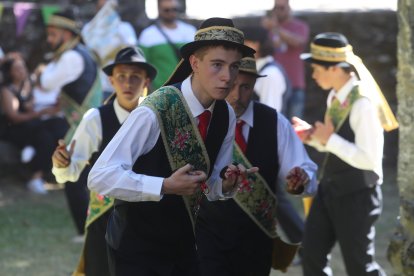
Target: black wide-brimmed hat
212, 31
248, 66
329, 49
64, 20
132, 56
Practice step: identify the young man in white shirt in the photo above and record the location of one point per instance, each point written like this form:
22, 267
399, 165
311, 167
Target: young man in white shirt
130, 76
160, 163
349, 199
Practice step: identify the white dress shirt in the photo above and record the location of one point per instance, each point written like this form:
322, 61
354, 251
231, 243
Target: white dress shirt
63, 71
270, 89
367, 150
112, 173
88, 136
290, 149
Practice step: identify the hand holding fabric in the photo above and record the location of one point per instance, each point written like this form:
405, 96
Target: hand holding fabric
296, 180
234, 175
184, 181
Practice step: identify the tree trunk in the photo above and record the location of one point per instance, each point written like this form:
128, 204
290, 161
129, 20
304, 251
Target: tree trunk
401, 248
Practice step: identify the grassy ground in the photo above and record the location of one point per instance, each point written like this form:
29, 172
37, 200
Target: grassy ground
36, 232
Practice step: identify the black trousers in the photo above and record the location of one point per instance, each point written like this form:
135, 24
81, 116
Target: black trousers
95, 252
287, 217
43, 135
348, 219
77, 195
149, 264
131, 253
248, 256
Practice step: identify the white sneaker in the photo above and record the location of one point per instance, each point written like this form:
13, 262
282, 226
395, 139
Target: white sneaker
78, 239
27, 154
36, 186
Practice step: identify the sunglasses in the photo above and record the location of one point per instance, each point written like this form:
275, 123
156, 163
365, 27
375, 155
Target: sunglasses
280, 8
168, 10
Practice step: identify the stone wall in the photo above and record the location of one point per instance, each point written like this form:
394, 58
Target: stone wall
372, 33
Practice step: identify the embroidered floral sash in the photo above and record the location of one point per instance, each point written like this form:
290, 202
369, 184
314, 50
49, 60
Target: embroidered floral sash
98, 205
74, 111
259, 202
338, 113
180, 135
255, 197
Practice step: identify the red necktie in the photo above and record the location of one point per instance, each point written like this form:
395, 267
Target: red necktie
239, 136
203, 121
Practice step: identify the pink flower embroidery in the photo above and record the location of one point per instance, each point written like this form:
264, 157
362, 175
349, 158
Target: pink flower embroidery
345, 104
100, 197
180, 139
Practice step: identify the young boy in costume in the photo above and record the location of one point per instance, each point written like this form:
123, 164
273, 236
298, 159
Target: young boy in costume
349, 199
130, 75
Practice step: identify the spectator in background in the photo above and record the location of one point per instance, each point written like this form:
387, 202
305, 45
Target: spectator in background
162, 40
289, 36
122, 36
27, 129
275, 89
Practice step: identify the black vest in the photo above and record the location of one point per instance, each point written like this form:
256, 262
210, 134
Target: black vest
79, 88
339, 177
224, 217
164, 227
110, 125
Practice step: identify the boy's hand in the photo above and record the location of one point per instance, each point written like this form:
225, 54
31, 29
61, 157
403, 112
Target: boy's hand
184, 181
302, 129
234, 175
323, 131
296, 180
61, 156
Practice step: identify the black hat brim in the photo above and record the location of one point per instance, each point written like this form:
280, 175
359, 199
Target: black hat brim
151, 71
189, 48
307, 57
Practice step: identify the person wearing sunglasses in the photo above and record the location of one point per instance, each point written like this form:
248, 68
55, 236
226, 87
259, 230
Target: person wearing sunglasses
161, 40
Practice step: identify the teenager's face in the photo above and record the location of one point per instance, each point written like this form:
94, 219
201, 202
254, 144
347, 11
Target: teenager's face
129, 82
214, 72
55, 37
241, 93
323, 75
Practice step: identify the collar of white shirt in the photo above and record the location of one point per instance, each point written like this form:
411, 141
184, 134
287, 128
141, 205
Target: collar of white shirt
343, 92
247, 116
195, 106
120, 112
